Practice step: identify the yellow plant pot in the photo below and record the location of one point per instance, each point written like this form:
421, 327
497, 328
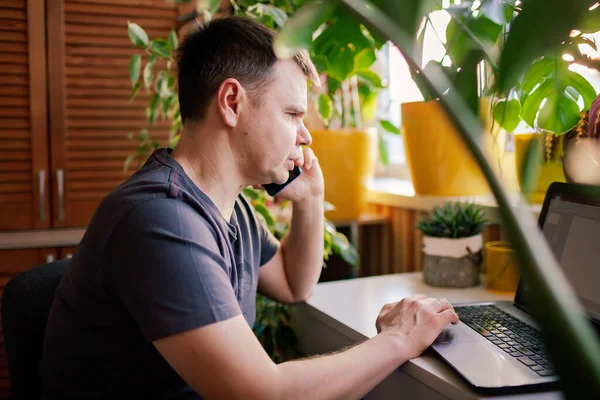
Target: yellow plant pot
439, 163
347, 158
502, 267
549, 172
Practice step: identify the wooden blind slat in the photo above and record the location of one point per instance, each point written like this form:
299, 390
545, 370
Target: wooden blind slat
113, 10
11, 13
16, 4
12, 47
132, 3
102, 20
14, 69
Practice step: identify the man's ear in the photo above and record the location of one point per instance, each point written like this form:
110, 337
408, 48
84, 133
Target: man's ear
230, 101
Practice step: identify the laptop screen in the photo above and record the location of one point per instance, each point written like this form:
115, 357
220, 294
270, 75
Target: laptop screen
571, 226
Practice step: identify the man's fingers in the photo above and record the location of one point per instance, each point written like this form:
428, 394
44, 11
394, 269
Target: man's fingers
446, 317
442, 305
308, 157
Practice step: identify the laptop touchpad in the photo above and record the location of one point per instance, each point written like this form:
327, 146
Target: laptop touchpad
457, 334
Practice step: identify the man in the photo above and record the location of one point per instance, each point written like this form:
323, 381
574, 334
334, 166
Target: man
159, 299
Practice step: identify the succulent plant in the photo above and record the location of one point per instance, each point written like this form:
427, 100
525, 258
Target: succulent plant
454, 220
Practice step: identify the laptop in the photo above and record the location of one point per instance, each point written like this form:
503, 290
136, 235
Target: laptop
497, 347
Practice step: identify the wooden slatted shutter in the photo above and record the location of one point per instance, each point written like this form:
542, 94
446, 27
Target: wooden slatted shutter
91, 114
24, 195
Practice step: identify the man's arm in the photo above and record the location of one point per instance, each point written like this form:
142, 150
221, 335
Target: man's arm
290, 276
225, 360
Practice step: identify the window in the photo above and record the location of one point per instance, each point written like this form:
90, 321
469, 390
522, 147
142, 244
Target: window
402, 89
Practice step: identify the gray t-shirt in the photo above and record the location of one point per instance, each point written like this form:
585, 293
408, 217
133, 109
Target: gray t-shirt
157, 259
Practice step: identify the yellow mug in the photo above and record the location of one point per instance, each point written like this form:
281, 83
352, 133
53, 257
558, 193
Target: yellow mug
502, 267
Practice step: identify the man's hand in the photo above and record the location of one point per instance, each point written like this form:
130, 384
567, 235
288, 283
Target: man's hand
310, 184
417, 321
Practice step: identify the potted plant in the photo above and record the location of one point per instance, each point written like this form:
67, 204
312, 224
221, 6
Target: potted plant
452, 244
581, 161
156, 76
569, 337
547, 107
439, 162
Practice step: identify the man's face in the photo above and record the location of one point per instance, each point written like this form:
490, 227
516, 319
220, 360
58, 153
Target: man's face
272, 131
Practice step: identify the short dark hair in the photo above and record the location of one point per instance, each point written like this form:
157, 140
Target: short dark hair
228, 47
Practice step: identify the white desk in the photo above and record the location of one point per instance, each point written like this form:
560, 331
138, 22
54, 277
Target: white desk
342, 313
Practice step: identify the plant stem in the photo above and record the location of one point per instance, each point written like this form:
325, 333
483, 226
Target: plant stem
355, 102
346, 123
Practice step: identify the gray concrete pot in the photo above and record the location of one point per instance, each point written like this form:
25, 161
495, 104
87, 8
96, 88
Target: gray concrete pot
453, 263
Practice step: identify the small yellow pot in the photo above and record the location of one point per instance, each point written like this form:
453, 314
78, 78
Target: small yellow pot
502, 268
347, 158
439, 163
549, 171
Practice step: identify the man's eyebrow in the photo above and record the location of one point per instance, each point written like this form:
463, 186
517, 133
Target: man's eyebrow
296, 109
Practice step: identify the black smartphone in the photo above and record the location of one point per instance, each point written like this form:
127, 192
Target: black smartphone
274, 188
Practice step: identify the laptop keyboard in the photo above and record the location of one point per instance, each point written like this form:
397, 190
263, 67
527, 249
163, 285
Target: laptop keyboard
515, 337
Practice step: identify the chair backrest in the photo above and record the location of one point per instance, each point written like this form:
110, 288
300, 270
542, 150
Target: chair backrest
26, 303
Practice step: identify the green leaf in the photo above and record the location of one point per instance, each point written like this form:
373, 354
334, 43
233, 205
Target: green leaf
137, 35
143, 135
162, 85
148, 71
550, 78
161, 47
173, 40
214, 6
135, 90
320, 62
531, 105
325, 108
507, 114
540, 70
333, 85
135, 63
408, 14
461, 35
151, 111
526, 41
251, 193
495, 11
341, 42
559, 114
590, 23
530, 171
128, 161
370, 77
389, 127
276, 13
364, 59
582, 86
298, 30
433, 69
344, 249
509, 11
367, 96
384, 154
466, 79
264, 211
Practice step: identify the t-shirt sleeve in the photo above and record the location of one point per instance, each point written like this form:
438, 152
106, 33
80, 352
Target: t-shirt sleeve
166, 268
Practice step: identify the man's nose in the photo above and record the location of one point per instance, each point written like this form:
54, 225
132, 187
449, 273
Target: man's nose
304, 138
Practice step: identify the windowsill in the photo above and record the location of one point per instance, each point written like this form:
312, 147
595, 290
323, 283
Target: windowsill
400, 193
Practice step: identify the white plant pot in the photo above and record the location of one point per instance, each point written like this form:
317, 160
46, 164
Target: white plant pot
452, 262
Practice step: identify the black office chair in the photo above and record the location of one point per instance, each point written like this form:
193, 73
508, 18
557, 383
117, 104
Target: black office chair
26, 303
